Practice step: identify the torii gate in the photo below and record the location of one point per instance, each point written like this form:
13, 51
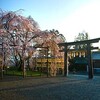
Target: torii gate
89, 48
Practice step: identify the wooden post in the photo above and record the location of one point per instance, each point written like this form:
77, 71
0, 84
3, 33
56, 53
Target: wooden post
24, 69
23, 65
2, 63
65, 63
90, 67
47, 63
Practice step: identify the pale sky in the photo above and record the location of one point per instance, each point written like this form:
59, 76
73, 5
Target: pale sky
69, 17
87, 18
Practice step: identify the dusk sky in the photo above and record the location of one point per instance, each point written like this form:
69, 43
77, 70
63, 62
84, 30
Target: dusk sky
69, 17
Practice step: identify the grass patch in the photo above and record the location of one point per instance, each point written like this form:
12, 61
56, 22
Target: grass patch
20, 73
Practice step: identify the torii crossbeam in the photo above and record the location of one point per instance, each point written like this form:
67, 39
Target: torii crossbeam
88, 43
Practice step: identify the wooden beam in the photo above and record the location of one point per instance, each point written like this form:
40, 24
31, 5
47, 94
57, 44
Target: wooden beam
41, 47
80, 42
68, 50
92, 48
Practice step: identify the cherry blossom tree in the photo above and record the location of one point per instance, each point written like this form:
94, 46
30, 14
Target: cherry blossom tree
51, 39
18, 33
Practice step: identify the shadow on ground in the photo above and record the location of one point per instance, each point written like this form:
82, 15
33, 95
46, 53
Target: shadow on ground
73, 87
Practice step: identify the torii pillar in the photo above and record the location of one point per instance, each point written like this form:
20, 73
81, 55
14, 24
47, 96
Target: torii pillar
66, 62
90, 65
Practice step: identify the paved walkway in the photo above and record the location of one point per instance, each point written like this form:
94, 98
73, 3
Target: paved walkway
73, 87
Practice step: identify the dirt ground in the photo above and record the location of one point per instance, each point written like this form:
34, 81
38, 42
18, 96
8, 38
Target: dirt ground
73, 87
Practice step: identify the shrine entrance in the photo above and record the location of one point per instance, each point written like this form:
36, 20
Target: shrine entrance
88, 48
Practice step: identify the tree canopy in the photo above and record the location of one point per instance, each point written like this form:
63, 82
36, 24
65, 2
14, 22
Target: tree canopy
81, 37
20, 35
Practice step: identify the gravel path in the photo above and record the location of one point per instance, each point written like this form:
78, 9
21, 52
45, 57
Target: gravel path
73, 87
